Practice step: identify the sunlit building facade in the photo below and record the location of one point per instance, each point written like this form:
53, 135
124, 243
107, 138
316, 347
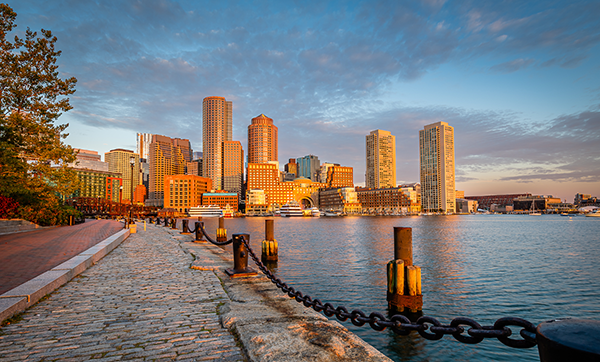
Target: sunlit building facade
119, 161
309, 167
340, 176
436, 155
381, 160
385, 201
167, 156
262, 140
217, 122
233, 167
185, 191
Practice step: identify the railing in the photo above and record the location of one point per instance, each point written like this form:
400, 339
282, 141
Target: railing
557, 340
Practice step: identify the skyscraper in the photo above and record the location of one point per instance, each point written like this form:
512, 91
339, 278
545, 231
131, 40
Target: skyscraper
119, 160
262, 140
216, 129
167, 156
143, 144
436, 154
309, 167
381, 160
233, 167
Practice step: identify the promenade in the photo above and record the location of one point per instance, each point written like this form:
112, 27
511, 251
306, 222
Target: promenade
140, 302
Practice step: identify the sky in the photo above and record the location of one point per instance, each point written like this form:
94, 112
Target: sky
518, 80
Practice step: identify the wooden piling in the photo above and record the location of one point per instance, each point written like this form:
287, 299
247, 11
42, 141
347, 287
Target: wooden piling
404, 278
221, 231
270, 248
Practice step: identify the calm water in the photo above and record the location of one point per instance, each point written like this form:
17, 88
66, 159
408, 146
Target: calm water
480, 266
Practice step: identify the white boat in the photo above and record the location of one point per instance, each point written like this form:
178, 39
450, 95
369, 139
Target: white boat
593, 214
205, 211
532, 211
330, 213
291, 209
314, 212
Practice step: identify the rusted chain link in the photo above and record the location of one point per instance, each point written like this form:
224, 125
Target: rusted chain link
401, 325
211, 239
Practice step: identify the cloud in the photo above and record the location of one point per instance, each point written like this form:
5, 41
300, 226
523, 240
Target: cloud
512, 66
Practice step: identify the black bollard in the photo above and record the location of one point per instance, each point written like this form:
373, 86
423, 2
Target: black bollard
184, 227
166, 221
569, 340
199, 234
174, 223
240, 258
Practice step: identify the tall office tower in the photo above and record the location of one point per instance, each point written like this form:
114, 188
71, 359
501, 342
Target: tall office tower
291, 167
262, 140
89, 160
233, 167
143, 144
381, 160
309, 167
216, 129
120, 160
167, 156
436, 153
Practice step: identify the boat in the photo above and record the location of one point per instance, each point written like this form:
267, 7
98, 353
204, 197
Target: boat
291, 209
330, 213
205, 211
228, 211
314, 212
593, 214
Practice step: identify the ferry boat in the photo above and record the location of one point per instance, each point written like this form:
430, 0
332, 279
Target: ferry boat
205, 211
314, 212
228, 211
290, 209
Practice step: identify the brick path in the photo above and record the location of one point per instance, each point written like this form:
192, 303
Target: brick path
24, 256
141, 302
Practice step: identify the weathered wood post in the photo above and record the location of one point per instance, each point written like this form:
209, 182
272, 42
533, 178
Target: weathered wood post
404, 278
184, 227
199, 234
270, 249
221, 231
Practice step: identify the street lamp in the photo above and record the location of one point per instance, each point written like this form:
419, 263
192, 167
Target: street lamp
132, 163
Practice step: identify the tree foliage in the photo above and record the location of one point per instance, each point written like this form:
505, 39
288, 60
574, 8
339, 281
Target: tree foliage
33, 156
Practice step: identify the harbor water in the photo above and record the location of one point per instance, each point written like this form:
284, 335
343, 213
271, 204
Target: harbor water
482, 267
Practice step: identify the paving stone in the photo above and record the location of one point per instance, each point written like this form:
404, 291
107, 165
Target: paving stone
141, 302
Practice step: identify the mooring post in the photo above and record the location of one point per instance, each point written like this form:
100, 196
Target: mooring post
240, 258
184, 227
166, 221
199, 234
174, 224
568, 340
270, 249
70, 220
404, 278
221, 231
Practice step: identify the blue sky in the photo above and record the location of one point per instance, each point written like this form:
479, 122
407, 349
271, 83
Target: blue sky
518, 80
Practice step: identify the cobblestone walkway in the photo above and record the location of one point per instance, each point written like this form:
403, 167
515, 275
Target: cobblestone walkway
141, 302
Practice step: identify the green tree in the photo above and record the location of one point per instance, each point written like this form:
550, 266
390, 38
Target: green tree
33, 156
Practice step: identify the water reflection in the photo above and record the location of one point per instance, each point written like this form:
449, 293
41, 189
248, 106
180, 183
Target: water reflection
482, 267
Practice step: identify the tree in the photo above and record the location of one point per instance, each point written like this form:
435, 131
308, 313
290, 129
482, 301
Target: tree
33, 157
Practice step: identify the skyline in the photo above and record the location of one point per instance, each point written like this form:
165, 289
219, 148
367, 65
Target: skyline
518, 82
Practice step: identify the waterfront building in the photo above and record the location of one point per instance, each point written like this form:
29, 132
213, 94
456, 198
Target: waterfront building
257, 202
266, 177
486, 201
381, 160
323, 171
308, 166
221, 199
464, 206
181, 192
233, 167
167, 156
525, 204
340, 176
262, 140
413, 192
120, 161
143, 144
217, 120
385, 201
503, 209
340, 199
583, 200
98, 184
459, 194
194, 167
436, 154
291, 167
89, 160
286, 176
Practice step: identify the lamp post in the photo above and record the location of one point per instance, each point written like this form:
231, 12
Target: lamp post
132, 163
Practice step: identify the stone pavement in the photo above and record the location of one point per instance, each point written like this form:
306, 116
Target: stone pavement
23, 256
141, 302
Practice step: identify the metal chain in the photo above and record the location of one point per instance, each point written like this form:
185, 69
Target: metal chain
401, 325
220, 243
190, 230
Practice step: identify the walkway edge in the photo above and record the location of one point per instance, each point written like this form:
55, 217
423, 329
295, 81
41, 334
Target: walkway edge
27, 294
